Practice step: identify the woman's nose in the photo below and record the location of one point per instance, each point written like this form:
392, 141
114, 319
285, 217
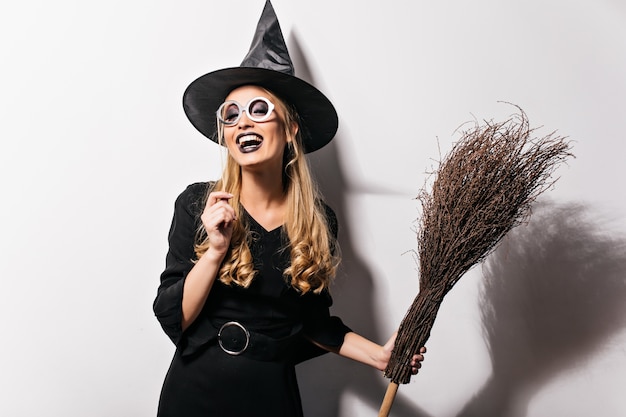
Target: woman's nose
244, 120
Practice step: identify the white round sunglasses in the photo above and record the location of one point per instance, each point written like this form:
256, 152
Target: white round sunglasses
259, 109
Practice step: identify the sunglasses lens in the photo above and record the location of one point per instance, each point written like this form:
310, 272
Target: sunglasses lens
229, 113
258, 109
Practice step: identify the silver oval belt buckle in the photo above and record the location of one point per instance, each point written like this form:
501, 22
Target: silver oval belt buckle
233, 338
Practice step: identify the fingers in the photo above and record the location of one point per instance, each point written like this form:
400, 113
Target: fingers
218, 215
219, 200
416, 363
216, 196
417, 358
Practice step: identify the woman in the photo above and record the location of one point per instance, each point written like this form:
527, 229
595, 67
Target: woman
245, 291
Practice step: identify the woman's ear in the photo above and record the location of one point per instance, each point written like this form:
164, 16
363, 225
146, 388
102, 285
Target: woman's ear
294, 128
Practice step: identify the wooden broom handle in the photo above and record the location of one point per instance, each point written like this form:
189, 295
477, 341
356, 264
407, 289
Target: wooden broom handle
390, 395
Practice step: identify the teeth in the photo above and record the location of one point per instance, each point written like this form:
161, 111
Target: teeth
249, 141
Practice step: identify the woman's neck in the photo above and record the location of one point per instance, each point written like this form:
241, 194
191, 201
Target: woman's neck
264, 199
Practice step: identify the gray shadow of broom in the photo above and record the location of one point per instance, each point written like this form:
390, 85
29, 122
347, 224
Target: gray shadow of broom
553, 294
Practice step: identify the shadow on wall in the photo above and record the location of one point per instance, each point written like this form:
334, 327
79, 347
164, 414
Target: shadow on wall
323, 381
553, 294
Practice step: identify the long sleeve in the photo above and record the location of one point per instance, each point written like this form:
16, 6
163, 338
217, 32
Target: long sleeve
167, 305
320, 327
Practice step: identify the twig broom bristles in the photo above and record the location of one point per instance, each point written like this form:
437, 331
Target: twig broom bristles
483, 188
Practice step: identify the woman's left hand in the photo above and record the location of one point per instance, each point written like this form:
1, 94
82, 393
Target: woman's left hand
385, 356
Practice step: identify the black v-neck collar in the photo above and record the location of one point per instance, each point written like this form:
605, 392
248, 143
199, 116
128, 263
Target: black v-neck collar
258, 226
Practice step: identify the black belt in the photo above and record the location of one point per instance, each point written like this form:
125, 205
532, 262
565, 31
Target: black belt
235, 339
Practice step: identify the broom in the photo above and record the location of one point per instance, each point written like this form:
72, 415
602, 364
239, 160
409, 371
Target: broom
483, 188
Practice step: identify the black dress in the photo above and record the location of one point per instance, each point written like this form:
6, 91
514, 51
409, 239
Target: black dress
256, 377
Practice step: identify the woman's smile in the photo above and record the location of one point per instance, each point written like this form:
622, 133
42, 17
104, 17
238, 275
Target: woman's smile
249, 142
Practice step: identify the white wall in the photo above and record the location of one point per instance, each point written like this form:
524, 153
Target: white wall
95, 147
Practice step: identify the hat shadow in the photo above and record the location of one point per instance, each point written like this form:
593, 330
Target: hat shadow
553, 295
323, 381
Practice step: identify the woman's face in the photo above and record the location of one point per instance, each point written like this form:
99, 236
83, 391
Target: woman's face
254, 144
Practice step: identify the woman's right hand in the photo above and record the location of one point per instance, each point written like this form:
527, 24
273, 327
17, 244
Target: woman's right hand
218, 219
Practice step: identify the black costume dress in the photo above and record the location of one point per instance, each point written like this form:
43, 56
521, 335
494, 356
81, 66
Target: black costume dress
257, 377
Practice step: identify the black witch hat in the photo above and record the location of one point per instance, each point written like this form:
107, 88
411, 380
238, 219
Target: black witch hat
267, 65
